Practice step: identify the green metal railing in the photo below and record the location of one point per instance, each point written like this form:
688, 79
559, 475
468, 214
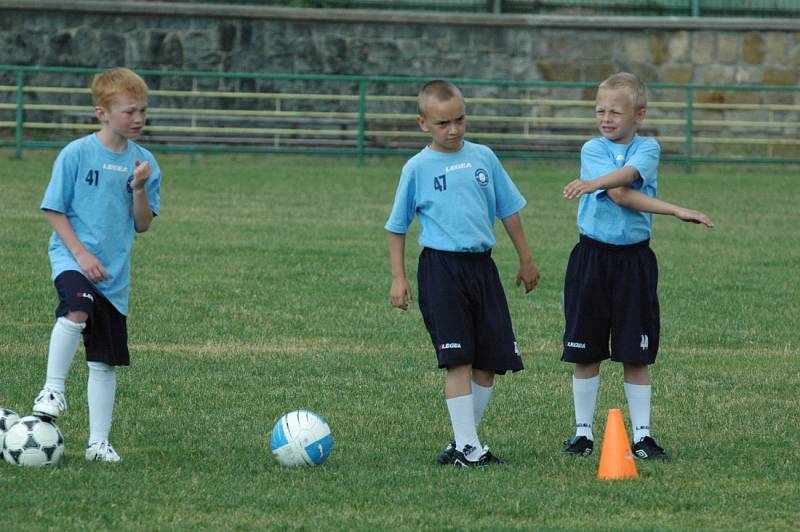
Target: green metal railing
363, 116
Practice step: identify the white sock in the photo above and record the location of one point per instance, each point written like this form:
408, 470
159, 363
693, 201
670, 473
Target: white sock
64, 342
584, 396
480, 399
101, 392
462, 417
638, 396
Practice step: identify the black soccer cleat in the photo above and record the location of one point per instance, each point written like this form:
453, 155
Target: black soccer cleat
648, 449
486, 459
578, 446
446, 456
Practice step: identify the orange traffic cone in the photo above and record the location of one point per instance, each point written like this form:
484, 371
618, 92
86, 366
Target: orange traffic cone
616, 459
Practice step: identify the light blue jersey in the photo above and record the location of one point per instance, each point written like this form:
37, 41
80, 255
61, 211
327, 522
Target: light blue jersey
90, 184
456, 196
598, 216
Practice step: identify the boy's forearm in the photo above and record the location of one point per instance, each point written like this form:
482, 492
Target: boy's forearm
513, 225
633, 199
60, 224
397, 244
142, 212
618, 178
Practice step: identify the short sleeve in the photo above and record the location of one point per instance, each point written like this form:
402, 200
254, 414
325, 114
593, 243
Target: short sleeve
60, 190
508, 199
645, 160
153, 187
404, 205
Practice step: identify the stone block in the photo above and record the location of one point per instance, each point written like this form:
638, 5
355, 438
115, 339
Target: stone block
677, 74
748, 74
727, 47
743, 97
678, 46
636, 48
709, 96
659, 48
703, 48
780, 76
715, 74
558, 71
597, 71
753, 48
777, 48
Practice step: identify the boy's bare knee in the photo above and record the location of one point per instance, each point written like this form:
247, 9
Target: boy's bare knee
482, 377
457, 382
77, 316
587, 371
636, 373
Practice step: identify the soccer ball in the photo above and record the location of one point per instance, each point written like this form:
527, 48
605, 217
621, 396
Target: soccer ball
301, 437
33, 442
7, 419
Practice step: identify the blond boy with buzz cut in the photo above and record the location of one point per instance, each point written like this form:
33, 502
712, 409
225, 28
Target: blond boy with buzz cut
610, 289
457, 189
104, 188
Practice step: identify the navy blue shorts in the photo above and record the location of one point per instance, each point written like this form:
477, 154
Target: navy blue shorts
466, 312
106, 334
610, 292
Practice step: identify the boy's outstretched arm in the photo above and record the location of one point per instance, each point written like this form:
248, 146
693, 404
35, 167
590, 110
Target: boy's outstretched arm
400, 292
633, 199
528, 272
618, 178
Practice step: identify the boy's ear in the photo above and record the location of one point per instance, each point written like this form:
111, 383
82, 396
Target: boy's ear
421, 123
100, 113
640, 114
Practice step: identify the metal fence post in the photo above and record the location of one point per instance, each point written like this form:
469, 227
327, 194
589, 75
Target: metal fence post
19, 117
498, 7
695, 8
688, 141
362, 118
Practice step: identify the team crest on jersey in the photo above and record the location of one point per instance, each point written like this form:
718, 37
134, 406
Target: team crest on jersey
482, 177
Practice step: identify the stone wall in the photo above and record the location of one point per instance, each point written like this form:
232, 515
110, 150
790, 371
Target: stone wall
159, 35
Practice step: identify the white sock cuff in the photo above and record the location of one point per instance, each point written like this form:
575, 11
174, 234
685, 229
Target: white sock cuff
101, 370
586, 385
462, 401
481, 389
70, 326
638, 390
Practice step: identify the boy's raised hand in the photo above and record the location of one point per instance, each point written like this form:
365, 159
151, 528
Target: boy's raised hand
577, 188
528, 274
400, 293
140, 175
696, 217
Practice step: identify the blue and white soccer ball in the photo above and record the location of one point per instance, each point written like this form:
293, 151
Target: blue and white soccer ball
34, 442
301, 437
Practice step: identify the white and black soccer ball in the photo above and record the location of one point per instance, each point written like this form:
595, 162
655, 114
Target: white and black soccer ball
33, 442
301, 437
7, 418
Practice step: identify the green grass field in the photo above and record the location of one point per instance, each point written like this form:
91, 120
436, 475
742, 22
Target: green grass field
263, 287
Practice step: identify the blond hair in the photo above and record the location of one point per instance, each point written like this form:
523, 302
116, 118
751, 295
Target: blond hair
631, 84
111, 84
439, 90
